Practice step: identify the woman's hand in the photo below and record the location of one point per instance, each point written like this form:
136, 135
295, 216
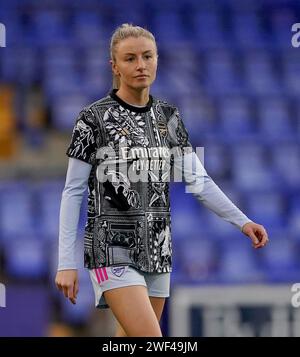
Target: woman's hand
67, 282
256, 233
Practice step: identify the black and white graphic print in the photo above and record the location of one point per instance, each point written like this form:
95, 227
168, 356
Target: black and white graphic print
84, 143
159, 242
158, 189
125, 126
118, 191
128, 221
177, 133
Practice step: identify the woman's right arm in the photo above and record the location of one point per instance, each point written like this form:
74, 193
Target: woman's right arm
75, 186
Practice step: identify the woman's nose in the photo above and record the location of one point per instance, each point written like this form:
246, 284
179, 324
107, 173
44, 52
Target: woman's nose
140, 62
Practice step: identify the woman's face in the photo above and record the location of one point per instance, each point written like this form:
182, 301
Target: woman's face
135, 62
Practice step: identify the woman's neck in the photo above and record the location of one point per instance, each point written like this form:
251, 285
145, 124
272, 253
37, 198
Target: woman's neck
134, 97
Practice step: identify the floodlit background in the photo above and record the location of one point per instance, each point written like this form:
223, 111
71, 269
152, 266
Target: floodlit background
230, 67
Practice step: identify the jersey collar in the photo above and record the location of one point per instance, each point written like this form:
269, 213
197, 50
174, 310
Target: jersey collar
132, 108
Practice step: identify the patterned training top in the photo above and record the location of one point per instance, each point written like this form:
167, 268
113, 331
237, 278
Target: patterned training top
131, 150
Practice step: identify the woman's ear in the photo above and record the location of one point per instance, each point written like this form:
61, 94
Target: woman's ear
114, 67
112, 64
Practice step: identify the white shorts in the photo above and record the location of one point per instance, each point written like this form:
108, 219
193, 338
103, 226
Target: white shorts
158, 284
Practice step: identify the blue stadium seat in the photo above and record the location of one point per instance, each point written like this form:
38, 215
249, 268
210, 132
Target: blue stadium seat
281, 21
267, 209
96, 58
186, 222
261, 76
286, 161
186, 214
216, 160
291, 72
296, 121
61, 82
136, 15
88, 27
48, 198
236, 117
163, 6
279, 234
97, 74
19, 64
280, 260
66, 109
251, 170
26, 257
208, 30
274, 119
60, 58
237, 263
168, 26
197, 260
294, 216
221, 74
50, 27
247, 31
28, 312
16, 210
95, 84
198, 114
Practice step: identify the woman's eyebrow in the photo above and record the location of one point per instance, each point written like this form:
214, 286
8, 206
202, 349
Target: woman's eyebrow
129, 53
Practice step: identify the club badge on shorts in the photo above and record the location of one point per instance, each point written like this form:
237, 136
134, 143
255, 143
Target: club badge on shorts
118, 271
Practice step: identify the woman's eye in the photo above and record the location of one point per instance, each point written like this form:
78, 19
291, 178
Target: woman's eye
131, 59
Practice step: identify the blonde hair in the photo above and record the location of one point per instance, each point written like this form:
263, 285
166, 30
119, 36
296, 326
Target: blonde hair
121, 33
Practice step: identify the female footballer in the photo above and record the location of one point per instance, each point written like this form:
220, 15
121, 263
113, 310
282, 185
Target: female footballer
125, 147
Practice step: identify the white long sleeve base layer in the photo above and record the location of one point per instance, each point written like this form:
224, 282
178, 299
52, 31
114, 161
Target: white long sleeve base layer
198, 182
75, 186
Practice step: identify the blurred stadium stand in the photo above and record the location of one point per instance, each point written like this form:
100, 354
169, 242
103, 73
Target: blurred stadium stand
230, 68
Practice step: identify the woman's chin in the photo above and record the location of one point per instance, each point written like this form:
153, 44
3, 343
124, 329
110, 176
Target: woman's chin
141, 86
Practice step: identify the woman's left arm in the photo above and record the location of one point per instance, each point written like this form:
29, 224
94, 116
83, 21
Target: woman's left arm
202, 186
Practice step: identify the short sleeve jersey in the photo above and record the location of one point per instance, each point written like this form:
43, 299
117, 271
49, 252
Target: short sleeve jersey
128, 218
